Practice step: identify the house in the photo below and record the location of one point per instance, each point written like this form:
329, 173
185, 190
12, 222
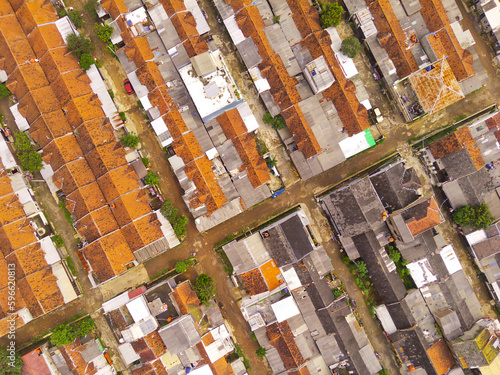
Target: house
186, 89
71, 116
462, 164
299, 73
290, 306
421, 50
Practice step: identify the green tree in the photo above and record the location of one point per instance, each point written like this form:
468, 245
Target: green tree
181, 267
261, 352
151, 179
91, 8
4, 91
76, 18
350, 46
21, 142
84, 327
271, 162
130, 140
330, 15
205, 288
169, 211
103, 32
62, 335
395, 256
5, 367
478, 217
86, 61
361, 268
78, 45
180, 226
277, 122
31, 161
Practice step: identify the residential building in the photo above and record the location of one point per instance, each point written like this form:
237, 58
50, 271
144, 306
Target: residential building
290, 306
28, 258
71, 116
421, 51
166, 329
300, 73
194, 107
463, 164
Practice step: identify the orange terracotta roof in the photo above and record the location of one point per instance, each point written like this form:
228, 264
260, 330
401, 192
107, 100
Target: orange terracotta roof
142, 231
4, 274
302, 371
208, 339
61, 151
27, 77
149, 75
29, 298
84, 200
156, 344
281, 337
5, 323
73, 175
254, 282
71, 85
221, 367
251, 25
36, 12
30, 258
175, 123
94, 133
186, 297
117, 251
58, 61
96, 224
83, 108
139, 51
117, 182
270, 271
352, 113
44, 286
253, 162
231, 123
320, 44
10, 209
37, 102
392, 37
44, 38
49, 126
302, 132
72, 353
114, 7
196, 45
173, 6
131, 206
208, 193
106, 158
10, 29
305, 16
237, 5
16, 235
5, 186
187, 147
159, 98
456, 141
126, 35
4, 298
282, 85
97, 259
437, 88
5, 9
437, 20
441, 357
185, 25
422, 216
15, 53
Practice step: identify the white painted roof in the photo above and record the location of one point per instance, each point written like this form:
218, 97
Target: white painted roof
476, 237
115, 302
51, 255
354, 145
450, 259
203, 370
285, 309
347, 65
21, 122
138, 308
128, 353
292, 279
233, 30
421, 272
6, 156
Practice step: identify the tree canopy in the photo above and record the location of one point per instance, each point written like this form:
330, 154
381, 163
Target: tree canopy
205, 288
181, 266
21, 142
277, 122
478, 217
4, 91
5, 368
76, 18
130, 140
31, 161
86, 61
78, 45
350, 46
65, 334
261, 352
179, 222
330, 15
151, 179
103, 32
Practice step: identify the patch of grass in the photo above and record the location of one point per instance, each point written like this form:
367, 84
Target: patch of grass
461, 117
139, 104
246, 362
225, 241
58, 241
111, 93
400, 262
71, 266
145, 161
67, 214
122, 116
163, 273
261, 147
252, 335
228, 267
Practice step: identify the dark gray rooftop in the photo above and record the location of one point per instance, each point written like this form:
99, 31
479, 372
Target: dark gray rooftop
180, 335
458, 164
411, 345
401, 315
388, 284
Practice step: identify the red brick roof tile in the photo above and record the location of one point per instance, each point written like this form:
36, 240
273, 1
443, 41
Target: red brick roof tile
231, 123
254, 282
27, 77
117, 182
139, 51
175, 123
94, 133
302, 132
305, 16
37, 102
114, 7
73, 175
96, 224
34, 13
142, 231
58, 61
131, 206
106, 158
185, 25
424, 216
44, 38
71, 85
251, 24
196, 45
173, 6
84, 200
83, 108
253, 162
281, 337
61, 151
187, 147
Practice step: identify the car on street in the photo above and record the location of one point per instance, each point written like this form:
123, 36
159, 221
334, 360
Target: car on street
128, 87
377, 114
